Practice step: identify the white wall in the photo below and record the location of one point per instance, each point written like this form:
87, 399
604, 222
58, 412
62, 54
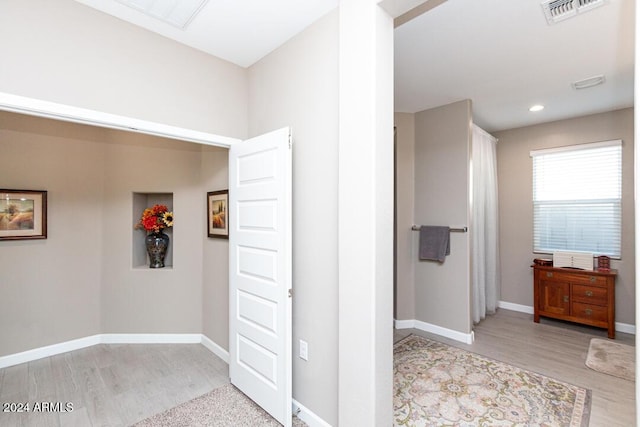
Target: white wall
297, 86
365, 215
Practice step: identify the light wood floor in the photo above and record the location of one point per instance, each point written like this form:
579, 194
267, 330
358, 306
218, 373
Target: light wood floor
110, 385
556, 349
117, 385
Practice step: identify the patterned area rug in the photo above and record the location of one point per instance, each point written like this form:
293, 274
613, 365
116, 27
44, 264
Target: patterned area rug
439, 385
223, 407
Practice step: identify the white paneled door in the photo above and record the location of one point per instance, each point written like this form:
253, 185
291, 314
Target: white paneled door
260, 271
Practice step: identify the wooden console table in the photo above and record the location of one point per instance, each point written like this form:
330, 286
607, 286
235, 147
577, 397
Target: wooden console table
580, 296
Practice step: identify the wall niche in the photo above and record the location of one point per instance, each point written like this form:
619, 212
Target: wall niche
139, 257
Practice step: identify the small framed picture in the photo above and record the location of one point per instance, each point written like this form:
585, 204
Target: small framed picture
23, 214
218, 214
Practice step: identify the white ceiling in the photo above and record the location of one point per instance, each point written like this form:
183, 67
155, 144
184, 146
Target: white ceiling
504, 56
239, 31
501, 54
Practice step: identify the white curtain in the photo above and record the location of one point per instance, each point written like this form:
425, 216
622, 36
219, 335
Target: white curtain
484, 221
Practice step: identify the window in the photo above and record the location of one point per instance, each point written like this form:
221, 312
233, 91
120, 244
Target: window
577, 198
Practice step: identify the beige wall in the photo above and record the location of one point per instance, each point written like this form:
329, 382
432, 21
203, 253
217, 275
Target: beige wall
424, 299
515, 195
143, 300
297, 85
215, 265
404, 187
70, 59
80, 281
441, 197
50, 289
65, 52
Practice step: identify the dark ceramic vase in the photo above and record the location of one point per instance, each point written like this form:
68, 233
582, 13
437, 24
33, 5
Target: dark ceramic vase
157, 244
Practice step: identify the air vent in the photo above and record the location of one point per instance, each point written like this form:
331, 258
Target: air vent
589, 82
559, 10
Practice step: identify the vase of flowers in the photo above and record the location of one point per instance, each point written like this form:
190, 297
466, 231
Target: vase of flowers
153, 221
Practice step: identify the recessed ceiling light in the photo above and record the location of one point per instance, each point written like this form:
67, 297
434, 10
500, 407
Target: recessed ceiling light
536, 107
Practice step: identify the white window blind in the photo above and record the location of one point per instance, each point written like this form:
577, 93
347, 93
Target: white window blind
577, 194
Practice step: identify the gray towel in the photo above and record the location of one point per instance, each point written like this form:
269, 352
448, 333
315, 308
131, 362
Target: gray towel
434, 243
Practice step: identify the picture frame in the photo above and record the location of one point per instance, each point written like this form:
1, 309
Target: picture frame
23, 214
218, 214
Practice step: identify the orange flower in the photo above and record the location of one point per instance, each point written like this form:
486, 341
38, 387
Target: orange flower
155, 218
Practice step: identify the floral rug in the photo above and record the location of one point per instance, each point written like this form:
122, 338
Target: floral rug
439, 385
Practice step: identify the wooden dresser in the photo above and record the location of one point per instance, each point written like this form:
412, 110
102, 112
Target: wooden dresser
580, 296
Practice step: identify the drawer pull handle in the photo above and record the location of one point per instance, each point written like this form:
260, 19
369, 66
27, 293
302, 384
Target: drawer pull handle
549, 274
565, 298
588, 312
588, 293
592, 279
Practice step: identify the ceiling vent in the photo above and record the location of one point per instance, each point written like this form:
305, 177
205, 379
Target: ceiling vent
178, 13
559, 10
590, 82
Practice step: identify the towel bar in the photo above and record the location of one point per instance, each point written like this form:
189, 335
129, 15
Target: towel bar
453, 230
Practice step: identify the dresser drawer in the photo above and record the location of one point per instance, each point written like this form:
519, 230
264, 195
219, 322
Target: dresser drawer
596, 313
571, 277
589, 294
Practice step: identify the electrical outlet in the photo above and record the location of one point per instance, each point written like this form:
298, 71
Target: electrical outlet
304, 350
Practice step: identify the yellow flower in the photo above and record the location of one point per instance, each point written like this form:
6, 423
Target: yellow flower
167, 218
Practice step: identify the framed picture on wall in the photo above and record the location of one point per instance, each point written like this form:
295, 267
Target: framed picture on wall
218, 214
23, 214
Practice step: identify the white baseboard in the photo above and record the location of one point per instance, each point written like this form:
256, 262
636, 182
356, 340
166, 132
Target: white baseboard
626, 328
77, 344
150, 338
435, 329
311, 419
620, 327
405, 324
215, 348
515, 307
49, 350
